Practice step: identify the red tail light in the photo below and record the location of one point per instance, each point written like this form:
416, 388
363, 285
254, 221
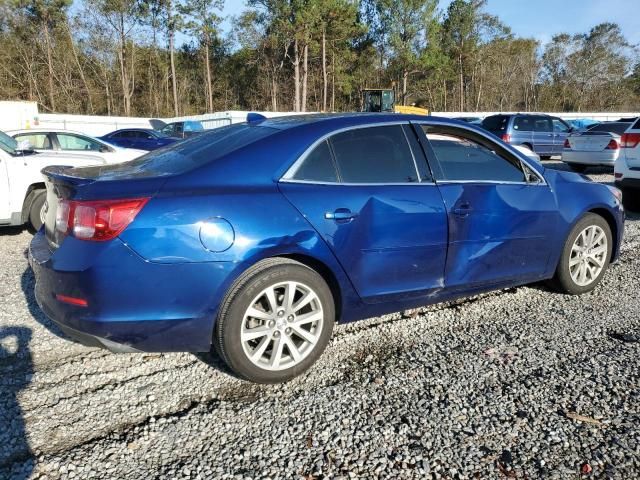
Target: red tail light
629, 140
612, 145
97, 220
506, 137
566, 143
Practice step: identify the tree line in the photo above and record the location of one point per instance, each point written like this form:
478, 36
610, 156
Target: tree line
164, 58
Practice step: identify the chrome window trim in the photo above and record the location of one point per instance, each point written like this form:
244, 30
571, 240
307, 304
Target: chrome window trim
351, 184
543, 181
292, 170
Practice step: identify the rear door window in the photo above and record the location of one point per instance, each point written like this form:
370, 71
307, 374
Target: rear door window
374, 155
542, 124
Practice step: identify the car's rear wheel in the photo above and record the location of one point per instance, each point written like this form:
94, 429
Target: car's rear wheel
275, 322
36, 209
578, 167
585, 256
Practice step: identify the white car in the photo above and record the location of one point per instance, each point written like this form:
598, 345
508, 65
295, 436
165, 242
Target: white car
68, 143
627, 168
598, 145
527, 152
22, 188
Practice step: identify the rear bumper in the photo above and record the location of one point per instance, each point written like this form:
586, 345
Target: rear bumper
133, 305
606, 158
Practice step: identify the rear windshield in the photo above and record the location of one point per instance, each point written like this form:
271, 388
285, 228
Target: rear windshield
636, 126
496, 123
613, 127
191, 153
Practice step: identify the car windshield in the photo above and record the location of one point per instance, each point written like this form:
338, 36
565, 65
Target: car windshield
613, 127
8, 144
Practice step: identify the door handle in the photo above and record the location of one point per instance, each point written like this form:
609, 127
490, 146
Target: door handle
463, 210
340, 214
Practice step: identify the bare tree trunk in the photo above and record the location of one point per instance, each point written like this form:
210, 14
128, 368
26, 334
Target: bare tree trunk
461, 83
305, 75
274, 93
405, 75
324, 71
80, 70
124, 76
333, 81
47, 40
207, 64
174, 82
296, 76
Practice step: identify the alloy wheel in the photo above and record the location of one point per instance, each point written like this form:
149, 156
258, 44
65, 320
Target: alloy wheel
588, 255
282, 325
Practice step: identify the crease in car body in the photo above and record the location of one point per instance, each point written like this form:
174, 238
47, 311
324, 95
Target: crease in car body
347, 234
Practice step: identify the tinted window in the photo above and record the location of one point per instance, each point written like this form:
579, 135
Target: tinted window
374, 155
524, 124
542, 124
636, 126
36, 141
464, 159
614, 127
124, 134
496, 123
560, 126
317, 166
75, 142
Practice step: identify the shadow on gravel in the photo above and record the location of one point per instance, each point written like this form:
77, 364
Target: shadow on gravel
10, 231
27, 283
16, 366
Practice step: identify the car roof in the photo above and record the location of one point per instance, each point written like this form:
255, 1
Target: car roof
133, 129
46, 130
345, 120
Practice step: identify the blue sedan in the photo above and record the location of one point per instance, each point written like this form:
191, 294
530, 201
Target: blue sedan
256, 238
139, 138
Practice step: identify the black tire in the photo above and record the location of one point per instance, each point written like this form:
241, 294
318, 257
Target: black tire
562, 280
578, 167
37, 202
227, 333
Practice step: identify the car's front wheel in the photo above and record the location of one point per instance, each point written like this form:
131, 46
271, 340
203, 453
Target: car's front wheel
585, 256
275, 322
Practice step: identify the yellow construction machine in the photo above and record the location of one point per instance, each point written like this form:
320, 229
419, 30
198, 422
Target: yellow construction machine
383, 100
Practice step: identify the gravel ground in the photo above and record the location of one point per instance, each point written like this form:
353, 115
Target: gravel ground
522, 383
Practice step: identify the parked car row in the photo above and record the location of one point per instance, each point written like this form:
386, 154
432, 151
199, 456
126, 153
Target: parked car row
24, 153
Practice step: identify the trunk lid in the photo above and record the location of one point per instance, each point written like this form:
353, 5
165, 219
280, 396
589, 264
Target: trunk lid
591, 141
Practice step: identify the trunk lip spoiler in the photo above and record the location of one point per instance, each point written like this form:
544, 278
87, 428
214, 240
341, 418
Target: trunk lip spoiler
65, 174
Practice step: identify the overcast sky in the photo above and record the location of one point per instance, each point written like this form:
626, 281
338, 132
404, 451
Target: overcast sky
541, 19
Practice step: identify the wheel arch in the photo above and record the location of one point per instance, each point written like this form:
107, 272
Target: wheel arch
613, 226
28, 198
325, 272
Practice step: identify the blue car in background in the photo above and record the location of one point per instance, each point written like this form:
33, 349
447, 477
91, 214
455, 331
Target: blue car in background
543, 134
139, 138
256, 238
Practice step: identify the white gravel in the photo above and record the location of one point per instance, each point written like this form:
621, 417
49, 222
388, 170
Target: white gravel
523, 383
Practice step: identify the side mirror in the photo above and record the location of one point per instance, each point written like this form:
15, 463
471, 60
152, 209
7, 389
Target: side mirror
104, 149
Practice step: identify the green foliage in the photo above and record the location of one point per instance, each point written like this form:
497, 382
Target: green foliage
127, 56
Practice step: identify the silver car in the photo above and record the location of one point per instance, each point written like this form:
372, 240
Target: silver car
598, 145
